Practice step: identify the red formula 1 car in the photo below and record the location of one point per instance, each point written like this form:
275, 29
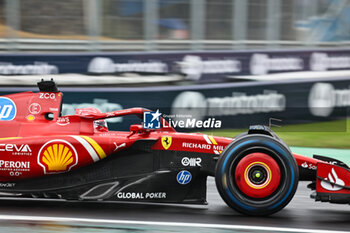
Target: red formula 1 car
46, 155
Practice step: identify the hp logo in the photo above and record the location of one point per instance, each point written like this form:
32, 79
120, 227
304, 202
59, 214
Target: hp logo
184, 177
7, 109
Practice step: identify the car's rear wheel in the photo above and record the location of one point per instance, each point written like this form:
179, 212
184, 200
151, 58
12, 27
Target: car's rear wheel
257, 175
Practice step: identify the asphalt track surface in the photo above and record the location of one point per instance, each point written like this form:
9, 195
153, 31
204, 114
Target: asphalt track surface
302, 214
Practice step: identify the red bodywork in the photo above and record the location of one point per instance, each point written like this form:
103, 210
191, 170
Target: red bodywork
332, 179
38, 142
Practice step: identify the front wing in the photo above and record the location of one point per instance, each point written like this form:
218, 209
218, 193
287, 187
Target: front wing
332, 183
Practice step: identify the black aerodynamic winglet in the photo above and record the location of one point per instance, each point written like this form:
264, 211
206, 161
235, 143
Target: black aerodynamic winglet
331, 161
47, 86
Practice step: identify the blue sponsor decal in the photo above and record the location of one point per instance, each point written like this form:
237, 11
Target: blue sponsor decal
257, 127
8, 109
184, 177
151, 120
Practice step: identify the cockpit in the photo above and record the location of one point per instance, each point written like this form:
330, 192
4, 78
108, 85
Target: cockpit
100, 126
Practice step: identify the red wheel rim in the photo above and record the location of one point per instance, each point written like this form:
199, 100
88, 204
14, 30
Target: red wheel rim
257, 175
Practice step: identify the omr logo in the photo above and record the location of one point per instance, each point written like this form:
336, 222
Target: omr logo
8, 109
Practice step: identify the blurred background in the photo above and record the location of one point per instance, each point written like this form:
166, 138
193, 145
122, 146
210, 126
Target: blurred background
227, 64
133, 25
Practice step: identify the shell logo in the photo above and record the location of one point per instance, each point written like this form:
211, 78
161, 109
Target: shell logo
57, 156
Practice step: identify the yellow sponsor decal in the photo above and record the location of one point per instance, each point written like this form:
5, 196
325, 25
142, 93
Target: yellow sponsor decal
30, 118
9, 138
166, 142
57, 156
96, 146
213, 140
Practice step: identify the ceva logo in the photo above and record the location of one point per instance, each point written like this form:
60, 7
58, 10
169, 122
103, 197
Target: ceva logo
8, 109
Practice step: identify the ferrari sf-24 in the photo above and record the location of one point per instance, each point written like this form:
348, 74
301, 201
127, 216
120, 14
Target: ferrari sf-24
76, 158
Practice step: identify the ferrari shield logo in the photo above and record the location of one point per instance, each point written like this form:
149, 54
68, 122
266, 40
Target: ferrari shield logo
166, 142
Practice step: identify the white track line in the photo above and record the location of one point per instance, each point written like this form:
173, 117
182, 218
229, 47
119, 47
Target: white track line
169, 224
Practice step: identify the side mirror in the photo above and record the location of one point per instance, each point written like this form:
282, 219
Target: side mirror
136, 128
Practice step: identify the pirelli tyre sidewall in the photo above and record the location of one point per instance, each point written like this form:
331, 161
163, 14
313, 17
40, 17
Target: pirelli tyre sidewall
239, 150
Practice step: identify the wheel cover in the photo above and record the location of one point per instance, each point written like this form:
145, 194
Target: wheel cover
257, 175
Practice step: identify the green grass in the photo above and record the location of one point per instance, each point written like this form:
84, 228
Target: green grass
331, 134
